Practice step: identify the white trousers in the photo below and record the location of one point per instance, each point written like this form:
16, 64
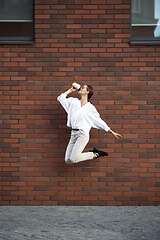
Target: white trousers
75, 147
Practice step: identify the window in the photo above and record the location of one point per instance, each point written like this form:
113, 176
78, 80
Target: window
16, 21
145, 22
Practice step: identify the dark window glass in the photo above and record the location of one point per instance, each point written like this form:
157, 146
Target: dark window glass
145, 22
16, 21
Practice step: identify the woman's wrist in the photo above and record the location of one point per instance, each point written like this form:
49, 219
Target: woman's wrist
110, 130
68, 91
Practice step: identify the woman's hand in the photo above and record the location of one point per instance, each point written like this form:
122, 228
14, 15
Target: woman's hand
73, 89
116, 135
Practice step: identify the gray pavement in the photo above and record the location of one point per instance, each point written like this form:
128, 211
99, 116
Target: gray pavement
79, 223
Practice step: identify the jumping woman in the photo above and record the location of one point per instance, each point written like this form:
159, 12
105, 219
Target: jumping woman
82, 116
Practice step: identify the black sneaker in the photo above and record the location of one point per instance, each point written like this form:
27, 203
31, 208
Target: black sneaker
100, 153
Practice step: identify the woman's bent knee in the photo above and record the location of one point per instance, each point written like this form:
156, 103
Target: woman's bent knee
68, 161
71, 160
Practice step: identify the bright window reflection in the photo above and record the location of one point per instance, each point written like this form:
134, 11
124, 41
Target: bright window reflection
157, 16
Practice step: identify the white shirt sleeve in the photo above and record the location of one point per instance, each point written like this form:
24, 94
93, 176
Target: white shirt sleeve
65, 102
97, 121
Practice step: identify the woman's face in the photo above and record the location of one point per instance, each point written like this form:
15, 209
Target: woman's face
83, 90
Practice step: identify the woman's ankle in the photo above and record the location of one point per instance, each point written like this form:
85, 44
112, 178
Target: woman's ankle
96, 155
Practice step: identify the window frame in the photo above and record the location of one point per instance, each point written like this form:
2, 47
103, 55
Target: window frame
141, 40
21, 40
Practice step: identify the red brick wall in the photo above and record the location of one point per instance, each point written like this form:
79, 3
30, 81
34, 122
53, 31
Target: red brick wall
85, 41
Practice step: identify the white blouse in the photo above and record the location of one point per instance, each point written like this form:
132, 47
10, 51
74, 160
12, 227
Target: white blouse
82, 118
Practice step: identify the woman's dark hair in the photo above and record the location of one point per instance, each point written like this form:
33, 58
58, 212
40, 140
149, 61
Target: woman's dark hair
91, 91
